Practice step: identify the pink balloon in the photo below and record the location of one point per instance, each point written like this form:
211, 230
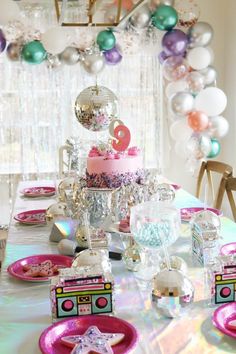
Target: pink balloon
198, 121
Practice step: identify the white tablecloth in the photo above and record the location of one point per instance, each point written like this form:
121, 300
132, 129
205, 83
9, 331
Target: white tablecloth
25, 307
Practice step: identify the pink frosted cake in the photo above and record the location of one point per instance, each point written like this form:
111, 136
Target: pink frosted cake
111, 169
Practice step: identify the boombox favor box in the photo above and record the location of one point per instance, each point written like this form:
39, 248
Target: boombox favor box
75, 293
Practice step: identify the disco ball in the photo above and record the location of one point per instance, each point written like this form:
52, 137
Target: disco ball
96, 107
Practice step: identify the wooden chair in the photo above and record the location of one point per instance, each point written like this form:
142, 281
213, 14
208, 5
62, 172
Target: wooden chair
230, 186
220, 168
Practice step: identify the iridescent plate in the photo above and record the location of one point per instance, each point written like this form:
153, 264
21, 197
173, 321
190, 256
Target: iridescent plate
38, 192
229, 248
222, 318
187, 213
16, 268
32, 217
50, 339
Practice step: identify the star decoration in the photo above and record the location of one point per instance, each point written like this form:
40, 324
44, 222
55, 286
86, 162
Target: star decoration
92, 341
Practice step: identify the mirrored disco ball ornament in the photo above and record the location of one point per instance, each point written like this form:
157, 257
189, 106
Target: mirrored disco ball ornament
172, 293
131, 257
96, 107
165, 193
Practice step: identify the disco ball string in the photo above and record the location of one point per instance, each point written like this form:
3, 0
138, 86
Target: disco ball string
194, 101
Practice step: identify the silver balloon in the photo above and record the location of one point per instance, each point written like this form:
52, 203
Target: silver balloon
210, 75
141, 18
182, 103
167, 2
14, 50
96, 107
70, 56
93, 63
172, 293
196, 82
53, 61
218, 127
200, 34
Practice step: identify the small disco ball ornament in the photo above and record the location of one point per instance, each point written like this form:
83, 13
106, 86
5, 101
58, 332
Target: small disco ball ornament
56, 210
165, 193
96, 107
132, 259
176, 263
172, 293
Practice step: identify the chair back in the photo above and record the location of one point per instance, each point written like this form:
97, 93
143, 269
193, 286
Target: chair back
231, 187
219, 168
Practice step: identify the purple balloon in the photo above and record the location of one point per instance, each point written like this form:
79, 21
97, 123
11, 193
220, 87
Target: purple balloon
3, 41
174, 42
162, 57
112, 56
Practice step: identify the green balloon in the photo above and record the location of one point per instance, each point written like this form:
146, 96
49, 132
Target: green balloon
165, 18
215, 149
106, 40
34, 52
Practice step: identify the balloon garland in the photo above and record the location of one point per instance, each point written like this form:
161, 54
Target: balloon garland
195, 103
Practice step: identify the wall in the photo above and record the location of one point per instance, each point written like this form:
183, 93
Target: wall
215, 13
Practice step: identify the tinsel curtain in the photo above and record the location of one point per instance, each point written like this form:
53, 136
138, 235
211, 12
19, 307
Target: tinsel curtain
37, 103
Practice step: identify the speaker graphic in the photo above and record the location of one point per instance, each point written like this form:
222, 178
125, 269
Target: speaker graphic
225, 286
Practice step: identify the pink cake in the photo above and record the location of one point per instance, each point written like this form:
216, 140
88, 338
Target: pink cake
110, 169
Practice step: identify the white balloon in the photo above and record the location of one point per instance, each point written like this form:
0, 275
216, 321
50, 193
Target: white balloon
9, 11
211, 101
218, 127
199, 58
176, 86
180, 130
55, 40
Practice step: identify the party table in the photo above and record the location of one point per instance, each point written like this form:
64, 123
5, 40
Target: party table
25, 307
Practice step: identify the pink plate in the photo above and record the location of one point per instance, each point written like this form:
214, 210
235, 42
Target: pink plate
223, 316
50, 339
176, 186
38, 191
187, 213
31, 217
229, 248
16, 268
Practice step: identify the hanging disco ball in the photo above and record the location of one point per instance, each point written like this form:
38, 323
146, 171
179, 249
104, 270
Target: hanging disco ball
96, 107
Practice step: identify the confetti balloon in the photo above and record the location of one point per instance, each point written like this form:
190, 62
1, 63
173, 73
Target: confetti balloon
188, 12
198, 121
175, 68
165, 18
195, 81
96, 107
199, 146
34, 52
106, 40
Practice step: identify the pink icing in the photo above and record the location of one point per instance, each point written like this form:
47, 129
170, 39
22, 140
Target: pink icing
94, 152
109, 155
133, 151
124, 164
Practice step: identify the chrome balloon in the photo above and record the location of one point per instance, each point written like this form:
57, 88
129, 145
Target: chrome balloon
210, 75
182, 103
93, 63
141, 18
70, 56
200, 34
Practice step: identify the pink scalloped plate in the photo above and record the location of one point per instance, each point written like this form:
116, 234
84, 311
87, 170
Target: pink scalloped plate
17, 271
50, 339
176, 186
32, 217
187, 213
223, 317
38, 192
229, 248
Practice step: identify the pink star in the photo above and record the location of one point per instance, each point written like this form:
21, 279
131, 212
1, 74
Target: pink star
92, 341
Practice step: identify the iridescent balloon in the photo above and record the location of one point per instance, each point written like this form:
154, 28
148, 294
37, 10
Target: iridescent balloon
112, 56
195, 81
182, 103
215, 149
141, 18
218, 127
34, 52
96, 107
3, 41
14, 51
200, 34
175, 68
70, 56
93, 63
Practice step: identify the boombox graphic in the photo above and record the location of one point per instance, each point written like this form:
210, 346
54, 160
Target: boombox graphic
225, 285
82, 296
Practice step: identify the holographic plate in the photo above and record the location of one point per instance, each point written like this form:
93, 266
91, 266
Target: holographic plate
187, 213
16, 268
38, 192
32, 217
50, 339
229, 248
222, 318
